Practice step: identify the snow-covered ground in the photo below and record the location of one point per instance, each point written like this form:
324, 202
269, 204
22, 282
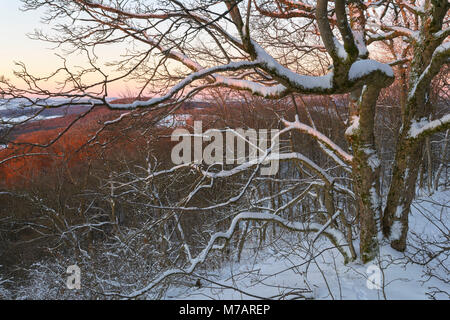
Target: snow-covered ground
174, 120
20, 119
19, 103
279, 272
286, 269
22, 110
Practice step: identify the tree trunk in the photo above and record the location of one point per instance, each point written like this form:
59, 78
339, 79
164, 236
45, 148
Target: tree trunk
425, 64
402, 191
366, 169
443, 161
429, 165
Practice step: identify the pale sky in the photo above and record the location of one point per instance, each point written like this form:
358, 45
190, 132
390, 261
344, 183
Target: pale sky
38, 56
15, 46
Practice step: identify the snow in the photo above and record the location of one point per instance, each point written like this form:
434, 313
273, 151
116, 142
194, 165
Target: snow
260, 216
419, 127
342, 54
25, 118
200, 74
405, 31
353, 128
13, 104
303, 81
266, 159
396, 230
441, 32
325, 226
8, 104
439, 50
374, 198
373, 160
10, 121
360, 44
320, 137
398, 212
274, 274
442, 48
362, 68
254, 87
174, 120
287, 269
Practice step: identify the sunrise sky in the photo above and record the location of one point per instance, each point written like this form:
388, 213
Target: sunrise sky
14, 24
38, 56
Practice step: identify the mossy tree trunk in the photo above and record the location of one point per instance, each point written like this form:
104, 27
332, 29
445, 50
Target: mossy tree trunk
366, 169
426, 63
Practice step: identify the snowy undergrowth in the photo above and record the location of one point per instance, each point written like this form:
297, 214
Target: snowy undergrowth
283, 271
4, 293
285, 266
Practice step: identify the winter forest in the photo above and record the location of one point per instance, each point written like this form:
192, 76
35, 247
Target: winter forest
228, 149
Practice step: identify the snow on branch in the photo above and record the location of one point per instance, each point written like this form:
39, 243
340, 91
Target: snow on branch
363, 68
403, 31
184, 83
315, 84
440, 55
344, 156
271, 157
417, 10
273, 92
323, 175
425, 127
287, 81
306, 84
335, 236
325, 226
276, 91
354, 127
444, 33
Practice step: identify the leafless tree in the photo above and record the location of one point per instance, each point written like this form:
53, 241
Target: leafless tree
273, 49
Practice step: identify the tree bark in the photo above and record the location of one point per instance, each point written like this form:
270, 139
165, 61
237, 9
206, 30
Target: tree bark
366, 170
402, 191
425, 65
